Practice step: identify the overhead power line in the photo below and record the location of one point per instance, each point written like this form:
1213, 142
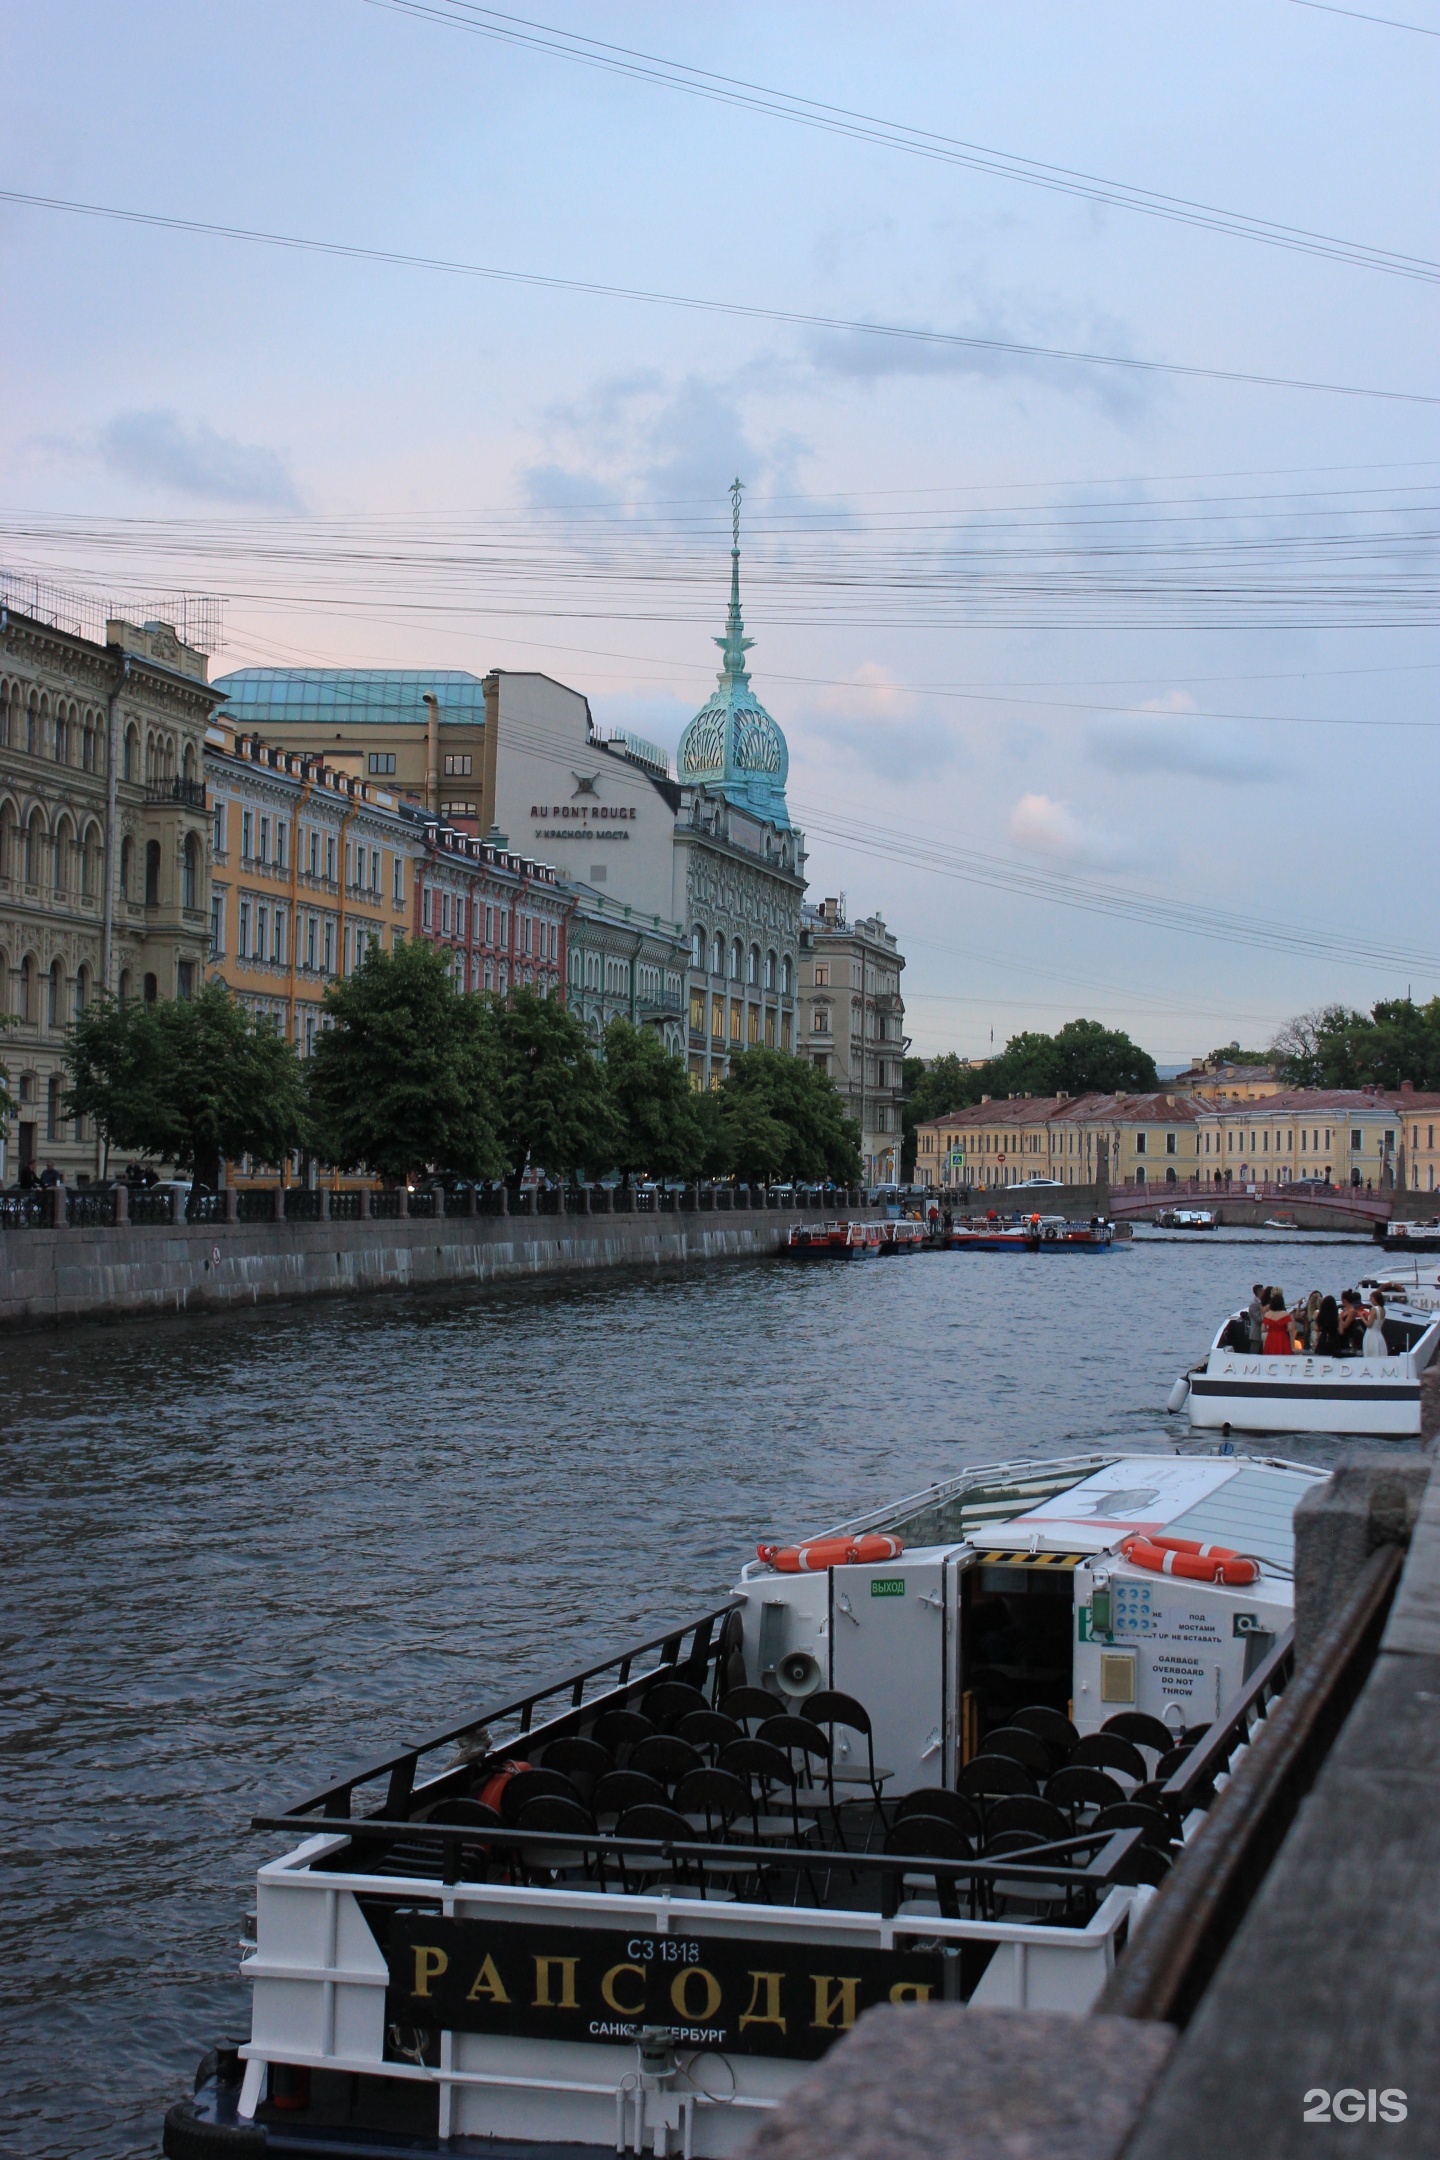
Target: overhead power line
678, 75
792, 318
1385, 22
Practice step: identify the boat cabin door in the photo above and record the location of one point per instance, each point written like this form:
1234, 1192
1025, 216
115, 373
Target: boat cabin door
1016, 1636
893, 1629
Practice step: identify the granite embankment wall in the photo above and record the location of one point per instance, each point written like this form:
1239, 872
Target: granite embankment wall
50, 1276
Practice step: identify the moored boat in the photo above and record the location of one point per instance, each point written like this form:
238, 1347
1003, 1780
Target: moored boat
1413, 1237
854, 1240
1181, 1218
944, 1753
1029, 1233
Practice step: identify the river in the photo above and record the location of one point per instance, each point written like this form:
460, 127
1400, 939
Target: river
243, 1554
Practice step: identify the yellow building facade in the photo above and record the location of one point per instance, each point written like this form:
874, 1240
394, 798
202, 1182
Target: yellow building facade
310, 867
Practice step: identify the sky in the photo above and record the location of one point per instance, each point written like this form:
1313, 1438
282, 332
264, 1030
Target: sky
1111, 688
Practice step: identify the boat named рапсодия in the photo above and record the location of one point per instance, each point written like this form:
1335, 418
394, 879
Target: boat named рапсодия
944, 1753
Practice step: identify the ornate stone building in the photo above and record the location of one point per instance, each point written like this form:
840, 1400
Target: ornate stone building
852, 1024
104, 872
739, 865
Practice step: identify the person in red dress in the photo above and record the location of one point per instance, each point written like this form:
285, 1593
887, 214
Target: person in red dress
1279, 1340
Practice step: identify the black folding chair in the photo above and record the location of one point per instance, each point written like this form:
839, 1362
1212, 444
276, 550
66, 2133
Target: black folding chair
1109, 1751
931, 1838
832, 1709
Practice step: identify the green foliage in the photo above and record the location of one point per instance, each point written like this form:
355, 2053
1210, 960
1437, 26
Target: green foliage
191, 1081
1231, 1054
652, 1105
553, 1104
404, 1080
1337, 1048
1083, 1058
783, 1117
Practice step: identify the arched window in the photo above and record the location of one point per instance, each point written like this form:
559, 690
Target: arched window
152, 875
62, 738
9, 841
127, 851
54, 1110
769, 971
4, 715
737, 960
189, 761
27, 988
697, 947
82, 990
717, 956
752, 968
34, 848
132, 751
125, 986
87, 749
55, 1000
152, 990
786, 976
32, 726
190, 883
60, 859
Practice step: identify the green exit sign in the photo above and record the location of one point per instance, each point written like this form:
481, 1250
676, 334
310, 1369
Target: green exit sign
887, 1586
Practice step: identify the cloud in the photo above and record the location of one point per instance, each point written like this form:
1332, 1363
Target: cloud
876, 720
659, 715
1165, 736
868, 356
1039, 825
159, 449
649, 441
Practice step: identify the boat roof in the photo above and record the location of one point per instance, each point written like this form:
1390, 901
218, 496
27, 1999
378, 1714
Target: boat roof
1087, 1504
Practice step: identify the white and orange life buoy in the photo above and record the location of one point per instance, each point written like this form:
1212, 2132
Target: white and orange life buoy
828, 1552
1195, 1562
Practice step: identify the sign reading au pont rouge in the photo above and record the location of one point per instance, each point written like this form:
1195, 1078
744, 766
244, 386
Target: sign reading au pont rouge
559, 1983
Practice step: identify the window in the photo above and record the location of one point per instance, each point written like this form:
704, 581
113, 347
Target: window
822, 974
329, 945
382, 761
82, 990
1357, 1138
1140, 1142
185, 979
489, 926
262, 931
282, 843
445, 914
152, 873
697, 947
459, 915
217, 925
54, 1116
217, 839
456, 768
312, 926
771, 970
785, 985
277, 949
242, 941
736, 1022
717, 956
399, 881
820, 1020
737, 960
314, 851
247, 835
264, 839
425, 908
55, 998
150, 991
190, 873
330, 857
752, 967
717, 1019
752, 1024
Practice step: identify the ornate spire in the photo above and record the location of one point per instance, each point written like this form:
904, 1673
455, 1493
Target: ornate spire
734, 645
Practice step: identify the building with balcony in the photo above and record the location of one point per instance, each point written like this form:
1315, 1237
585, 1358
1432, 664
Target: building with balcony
104, 873
624, 965
739, 866
852, 1024
499, 916
310, 867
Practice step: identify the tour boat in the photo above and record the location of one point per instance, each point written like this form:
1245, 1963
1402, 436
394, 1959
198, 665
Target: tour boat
1420, 1237
944, 1753
1246, 1391
1414, 1282
1032, 1233
854, 1240
1186, 1218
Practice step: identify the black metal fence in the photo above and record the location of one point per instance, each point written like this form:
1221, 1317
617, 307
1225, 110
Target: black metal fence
90, 1207
205, 1207
255, 1204
151, 1208
346, 1206
302, 1204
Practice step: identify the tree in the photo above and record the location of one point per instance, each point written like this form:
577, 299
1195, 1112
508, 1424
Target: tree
404, 1079
652, 1105
1231, 1054
1083, 1058
553, 1106
767, 1089
192, 1081
931, 1090
1337, 1048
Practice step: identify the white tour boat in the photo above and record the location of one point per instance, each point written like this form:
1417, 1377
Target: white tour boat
1241, 1390
944, 1753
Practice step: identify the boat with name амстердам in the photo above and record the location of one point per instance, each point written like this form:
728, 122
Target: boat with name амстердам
854, 1240
1237, 1389
944, 1753
1028, 1233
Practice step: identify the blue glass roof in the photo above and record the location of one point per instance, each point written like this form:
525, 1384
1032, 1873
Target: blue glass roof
270, 696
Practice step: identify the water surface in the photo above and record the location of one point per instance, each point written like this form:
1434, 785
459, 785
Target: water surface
244, 1554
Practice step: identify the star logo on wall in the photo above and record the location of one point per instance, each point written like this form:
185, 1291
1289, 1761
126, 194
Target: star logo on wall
585, 783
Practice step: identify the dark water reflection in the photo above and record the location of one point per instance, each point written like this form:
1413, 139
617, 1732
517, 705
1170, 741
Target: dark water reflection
242, 1555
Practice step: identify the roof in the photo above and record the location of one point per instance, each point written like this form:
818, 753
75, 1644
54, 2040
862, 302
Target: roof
271, 696
1330, 1102
1157, 1109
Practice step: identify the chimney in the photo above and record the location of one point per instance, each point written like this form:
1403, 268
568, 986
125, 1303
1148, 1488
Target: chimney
432, 753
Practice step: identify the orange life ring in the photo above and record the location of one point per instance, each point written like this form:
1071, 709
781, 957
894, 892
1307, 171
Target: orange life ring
1194, 1562
494, 1785
830, 1552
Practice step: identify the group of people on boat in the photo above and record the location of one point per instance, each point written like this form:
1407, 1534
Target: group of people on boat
1315, 1327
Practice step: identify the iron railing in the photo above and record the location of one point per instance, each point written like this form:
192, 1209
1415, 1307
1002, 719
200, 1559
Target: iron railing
190, 794
421, 1202
255, 1204
29, 1210
204, 1207
151, 1208
301, 1204
512, 1723
346, 1206
387, 1204
90, 1207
